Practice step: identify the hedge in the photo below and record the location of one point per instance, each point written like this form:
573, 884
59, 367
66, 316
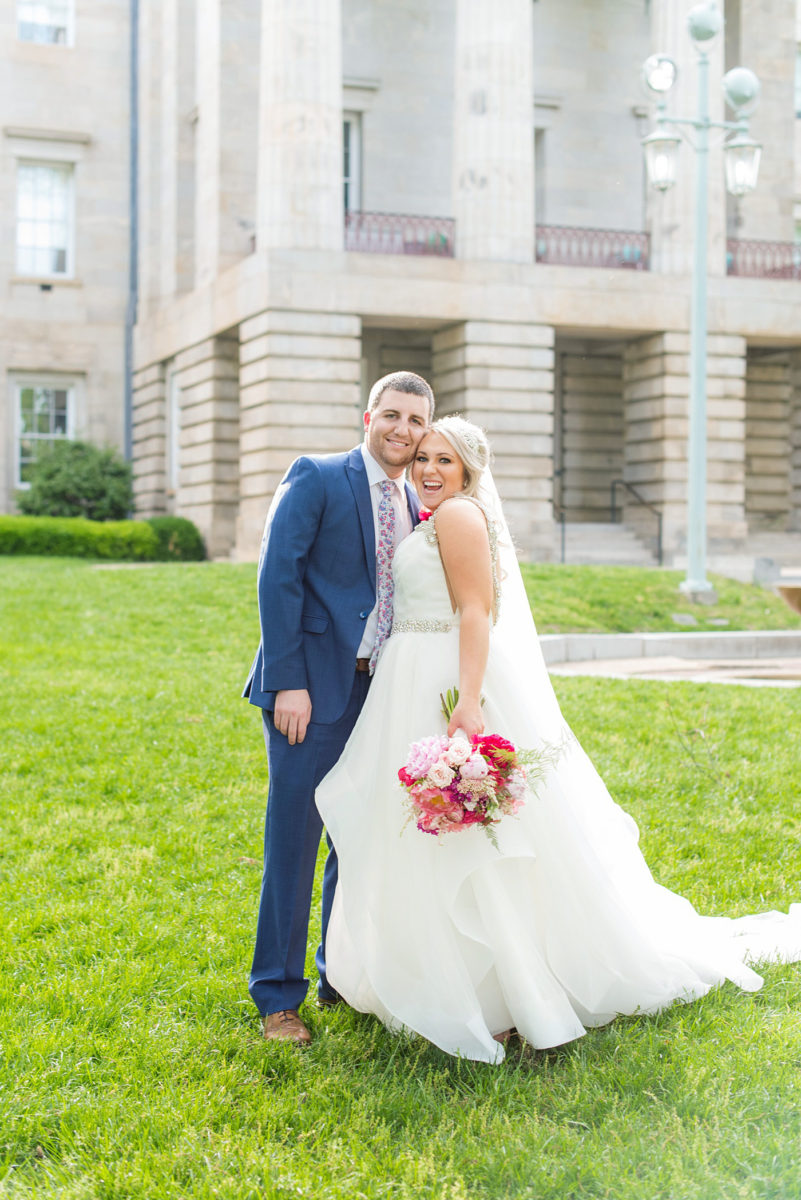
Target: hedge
179, 540
76, 537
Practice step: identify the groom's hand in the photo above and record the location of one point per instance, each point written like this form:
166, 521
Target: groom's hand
292, 714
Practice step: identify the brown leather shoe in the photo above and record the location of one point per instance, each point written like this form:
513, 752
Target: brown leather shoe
285, 1026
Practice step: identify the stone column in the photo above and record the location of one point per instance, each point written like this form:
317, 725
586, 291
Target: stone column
150, 440
226, 133
300, 196
150, 157
767, 438
501, 375
795, 441
725, 489
177, 163
300, 393
656, 389
768, 46
207, 377
494, 131
670, 215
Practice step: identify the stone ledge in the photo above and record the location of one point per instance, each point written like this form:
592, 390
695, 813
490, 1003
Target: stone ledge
585, 647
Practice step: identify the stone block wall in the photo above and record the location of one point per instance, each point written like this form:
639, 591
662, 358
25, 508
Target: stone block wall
795, 441
150, 440
300, 393
656, 381
767, 436
207, 378
500, 375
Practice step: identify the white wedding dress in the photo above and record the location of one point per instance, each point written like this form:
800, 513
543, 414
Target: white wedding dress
560, 928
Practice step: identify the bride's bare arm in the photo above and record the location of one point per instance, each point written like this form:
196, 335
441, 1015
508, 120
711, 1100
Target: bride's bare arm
464, 546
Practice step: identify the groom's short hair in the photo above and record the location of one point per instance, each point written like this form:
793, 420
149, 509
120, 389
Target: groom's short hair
401, 381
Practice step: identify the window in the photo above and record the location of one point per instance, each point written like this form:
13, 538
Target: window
46, 21
44, 413
352, 166
44, 218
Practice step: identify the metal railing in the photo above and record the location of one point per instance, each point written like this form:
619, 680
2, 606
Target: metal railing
763, 260
565, 245
397, 233
639, 499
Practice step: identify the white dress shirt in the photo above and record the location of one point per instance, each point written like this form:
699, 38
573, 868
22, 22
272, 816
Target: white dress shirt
403, 526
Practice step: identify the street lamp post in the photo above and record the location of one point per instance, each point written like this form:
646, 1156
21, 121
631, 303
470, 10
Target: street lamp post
741, 89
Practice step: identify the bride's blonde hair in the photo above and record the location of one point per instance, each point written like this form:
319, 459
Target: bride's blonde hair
470, 443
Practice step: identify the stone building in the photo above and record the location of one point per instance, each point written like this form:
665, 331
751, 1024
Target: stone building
331, 189
64, 199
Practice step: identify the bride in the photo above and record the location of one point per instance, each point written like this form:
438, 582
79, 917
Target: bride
562, 926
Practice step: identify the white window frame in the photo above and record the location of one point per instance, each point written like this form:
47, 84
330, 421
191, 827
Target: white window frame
20, 383
67, 169
352, 161
55, 24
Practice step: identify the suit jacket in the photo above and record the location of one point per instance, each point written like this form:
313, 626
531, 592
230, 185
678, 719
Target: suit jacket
317, 582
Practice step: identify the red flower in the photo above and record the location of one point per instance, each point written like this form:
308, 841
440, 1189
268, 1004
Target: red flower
425, 515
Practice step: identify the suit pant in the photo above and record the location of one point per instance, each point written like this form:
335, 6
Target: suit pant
291, 840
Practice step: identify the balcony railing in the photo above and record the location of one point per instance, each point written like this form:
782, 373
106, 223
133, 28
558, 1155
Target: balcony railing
563, 245
395, 233
763, 260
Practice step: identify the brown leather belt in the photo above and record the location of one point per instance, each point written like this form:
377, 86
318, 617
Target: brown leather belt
363, 664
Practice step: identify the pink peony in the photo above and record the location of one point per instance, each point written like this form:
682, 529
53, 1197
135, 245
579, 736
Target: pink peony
423, 754
474, 768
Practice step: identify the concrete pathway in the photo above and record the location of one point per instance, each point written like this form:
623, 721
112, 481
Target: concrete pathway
754, 659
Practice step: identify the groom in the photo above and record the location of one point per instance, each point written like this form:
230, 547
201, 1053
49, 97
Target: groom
320, 593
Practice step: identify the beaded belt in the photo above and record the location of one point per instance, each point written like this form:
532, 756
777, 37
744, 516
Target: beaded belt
429, 625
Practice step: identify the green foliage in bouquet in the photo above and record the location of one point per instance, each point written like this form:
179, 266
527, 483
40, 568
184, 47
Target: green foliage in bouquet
449, 702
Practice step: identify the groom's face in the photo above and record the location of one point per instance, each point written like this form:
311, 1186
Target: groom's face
392, 431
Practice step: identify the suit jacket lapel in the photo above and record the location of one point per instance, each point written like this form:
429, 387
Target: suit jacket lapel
414, 504
357, 478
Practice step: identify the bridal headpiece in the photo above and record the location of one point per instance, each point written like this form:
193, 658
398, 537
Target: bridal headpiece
470, 443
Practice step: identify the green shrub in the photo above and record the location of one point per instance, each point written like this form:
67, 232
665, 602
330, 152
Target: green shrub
75, 537
179, 540
76, 479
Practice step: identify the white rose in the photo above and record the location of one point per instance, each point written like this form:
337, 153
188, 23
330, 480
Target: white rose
458, 752
440, 774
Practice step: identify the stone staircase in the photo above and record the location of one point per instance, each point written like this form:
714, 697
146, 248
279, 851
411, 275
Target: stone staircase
604, 544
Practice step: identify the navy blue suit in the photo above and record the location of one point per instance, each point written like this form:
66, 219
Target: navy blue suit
317, 587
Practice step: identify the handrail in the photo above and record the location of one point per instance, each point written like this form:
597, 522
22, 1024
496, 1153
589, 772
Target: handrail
616, 483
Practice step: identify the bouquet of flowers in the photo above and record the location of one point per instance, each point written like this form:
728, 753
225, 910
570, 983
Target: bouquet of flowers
453, 784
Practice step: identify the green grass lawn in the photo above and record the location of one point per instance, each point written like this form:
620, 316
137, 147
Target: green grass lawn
568, 599
131, 804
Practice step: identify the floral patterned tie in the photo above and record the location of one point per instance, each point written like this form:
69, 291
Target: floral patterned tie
383, 566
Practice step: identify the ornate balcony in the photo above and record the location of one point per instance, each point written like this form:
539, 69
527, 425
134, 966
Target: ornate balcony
564, 245
763, 260
396, 233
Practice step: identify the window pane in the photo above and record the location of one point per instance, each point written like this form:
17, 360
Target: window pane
43, 21
43, 218
44, 417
